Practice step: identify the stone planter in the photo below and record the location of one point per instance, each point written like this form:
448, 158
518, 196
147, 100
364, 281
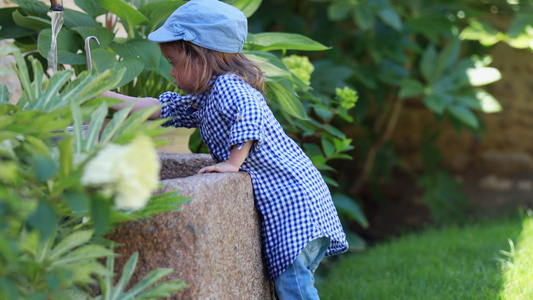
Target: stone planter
213, 243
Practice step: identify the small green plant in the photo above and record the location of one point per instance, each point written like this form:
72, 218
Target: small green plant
517, 265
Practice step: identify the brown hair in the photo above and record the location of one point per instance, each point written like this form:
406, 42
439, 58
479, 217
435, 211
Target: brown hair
213, 62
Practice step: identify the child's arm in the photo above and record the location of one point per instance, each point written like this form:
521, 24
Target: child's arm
234, 162
140, 103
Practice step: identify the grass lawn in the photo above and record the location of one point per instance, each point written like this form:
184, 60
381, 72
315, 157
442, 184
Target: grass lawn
476, 261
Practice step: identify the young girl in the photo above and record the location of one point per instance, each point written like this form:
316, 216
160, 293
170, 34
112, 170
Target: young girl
203, 40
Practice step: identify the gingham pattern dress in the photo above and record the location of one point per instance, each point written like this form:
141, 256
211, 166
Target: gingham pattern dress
290, 193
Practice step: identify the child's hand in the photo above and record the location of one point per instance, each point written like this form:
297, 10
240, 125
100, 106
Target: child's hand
223, 167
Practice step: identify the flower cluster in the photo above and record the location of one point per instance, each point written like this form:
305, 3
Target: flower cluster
300, 66
129, 172
347, 97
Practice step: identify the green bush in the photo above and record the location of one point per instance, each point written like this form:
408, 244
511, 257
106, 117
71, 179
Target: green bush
456, 262
429, 54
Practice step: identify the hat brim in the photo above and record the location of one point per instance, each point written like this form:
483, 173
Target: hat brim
162, 35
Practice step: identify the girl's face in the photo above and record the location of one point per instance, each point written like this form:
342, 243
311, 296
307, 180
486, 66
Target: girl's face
185, 79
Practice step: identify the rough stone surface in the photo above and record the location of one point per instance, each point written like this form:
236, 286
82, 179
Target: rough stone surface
213, 243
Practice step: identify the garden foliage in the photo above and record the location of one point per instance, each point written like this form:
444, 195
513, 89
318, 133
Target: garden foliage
429, 54
52, 221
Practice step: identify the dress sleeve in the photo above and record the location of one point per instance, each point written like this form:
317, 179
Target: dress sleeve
242, 106
179, 109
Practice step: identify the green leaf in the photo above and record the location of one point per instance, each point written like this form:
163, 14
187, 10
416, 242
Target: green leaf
74, 18
100, 215
163, 290
4, 94
391, 18
364, 17
283, 93
350, 207
268, 41
97, 119
328, 146
68, 44
77, 200
147, 51
36, 8
43, 167
334, 131
435, 103
270, 64
338, 11
157, 12
248, 7
127, 272
427, 64
71, 241
113, 127
150, 279
464, 115
411, 88
124, 11
91, 7
58, 80
66, 157
9, 29
86, 252
44, 219
31, 22
104, 35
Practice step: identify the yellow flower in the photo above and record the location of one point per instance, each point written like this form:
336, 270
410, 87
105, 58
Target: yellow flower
129, 172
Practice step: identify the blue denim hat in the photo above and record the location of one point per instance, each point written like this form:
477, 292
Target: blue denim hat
210, 24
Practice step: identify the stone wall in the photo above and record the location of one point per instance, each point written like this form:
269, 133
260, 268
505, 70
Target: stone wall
213, 243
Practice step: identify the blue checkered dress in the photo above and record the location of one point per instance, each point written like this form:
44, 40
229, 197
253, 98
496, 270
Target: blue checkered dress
290, 193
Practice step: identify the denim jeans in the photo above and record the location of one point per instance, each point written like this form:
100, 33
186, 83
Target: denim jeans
298, 282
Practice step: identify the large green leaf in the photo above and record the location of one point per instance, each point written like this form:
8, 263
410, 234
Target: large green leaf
32, 7
74, 18
268, 41
248, 7
124, 11
283, 93
106, 60
147, 51
350, 207
158, 12
8, 28
31, 22
270, 64
91, 7
68, 44
104, 35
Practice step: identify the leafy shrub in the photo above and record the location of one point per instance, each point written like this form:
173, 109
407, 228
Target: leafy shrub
52, 222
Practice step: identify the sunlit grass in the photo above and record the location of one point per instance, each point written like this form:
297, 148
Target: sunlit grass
452, 263
518, 275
